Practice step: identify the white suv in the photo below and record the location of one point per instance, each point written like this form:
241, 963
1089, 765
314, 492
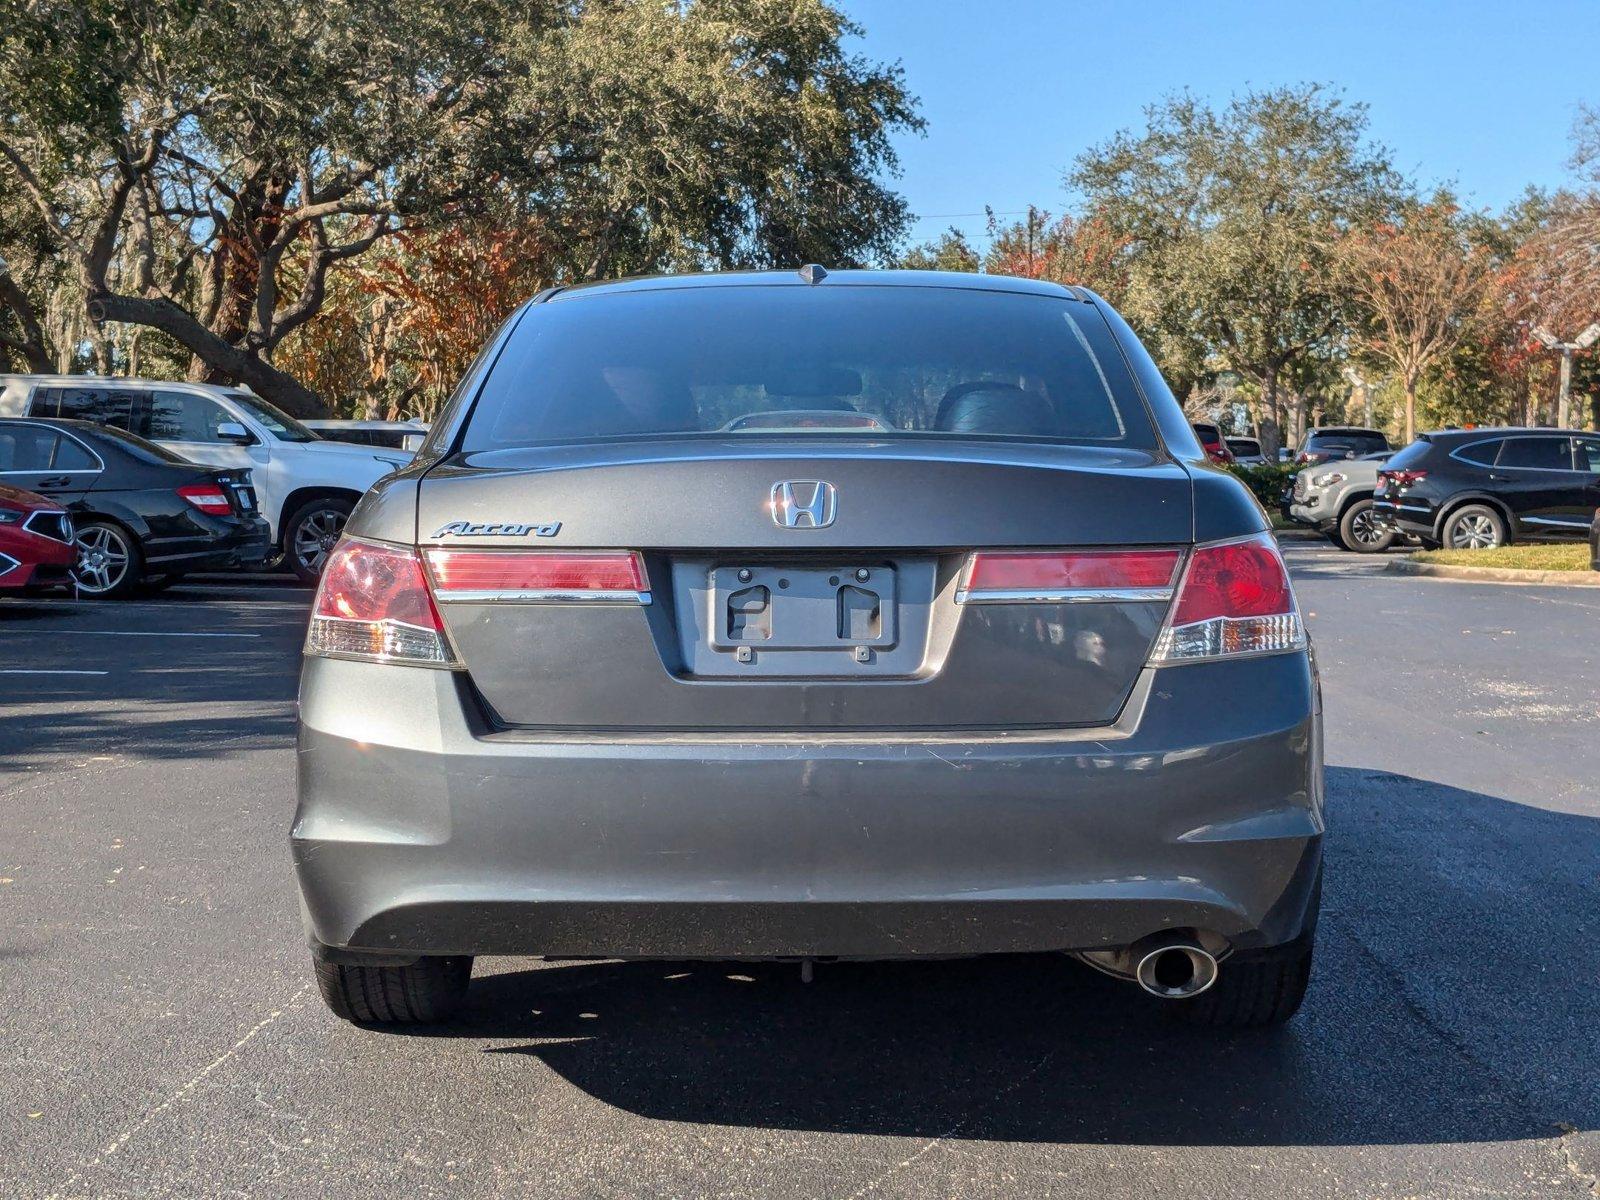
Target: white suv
305, 486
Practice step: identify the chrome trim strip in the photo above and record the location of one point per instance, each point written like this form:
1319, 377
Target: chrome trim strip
1065, 596
49, 512
1563, 522
539, 596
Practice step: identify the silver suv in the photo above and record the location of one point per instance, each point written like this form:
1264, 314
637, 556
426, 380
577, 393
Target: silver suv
1336, 498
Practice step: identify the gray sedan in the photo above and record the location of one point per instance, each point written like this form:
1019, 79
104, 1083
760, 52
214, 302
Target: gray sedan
660, 650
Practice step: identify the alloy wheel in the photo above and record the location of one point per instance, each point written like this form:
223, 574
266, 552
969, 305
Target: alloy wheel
103, 557
1474, 532
315, 536
1364, 529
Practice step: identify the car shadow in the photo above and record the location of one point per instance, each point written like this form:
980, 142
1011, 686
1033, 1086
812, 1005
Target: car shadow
1447, 1005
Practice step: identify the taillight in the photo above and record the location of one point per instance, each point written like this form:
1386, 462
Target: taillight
1068, 576
373, 604
207, 497
1234, 598
1404, 479
538, 576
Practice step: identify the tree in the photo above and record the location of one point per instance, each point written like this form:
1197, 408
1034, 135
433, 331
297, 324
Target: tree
949, 252
1228, 222
209, 168
1422, 284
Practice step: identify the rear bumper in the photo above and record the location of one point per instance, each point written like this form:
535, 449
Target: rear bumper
238, 542
419, 831
1413, 516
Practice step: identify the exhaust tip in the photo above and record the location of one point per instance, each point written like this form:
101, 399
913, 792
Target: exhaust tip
1176, 972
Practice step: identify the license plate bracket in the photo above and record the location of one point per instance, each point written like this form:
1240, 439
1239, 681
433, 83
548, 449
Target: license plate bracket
804, 608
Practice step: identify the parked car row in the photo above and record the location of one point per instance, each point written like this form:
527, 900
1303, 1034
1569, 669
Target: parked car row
302, 485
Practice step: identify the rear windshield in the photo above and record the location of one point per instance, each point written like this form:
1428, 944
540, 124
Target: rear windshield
140, 449
1415, 452
850, 361
1346, 443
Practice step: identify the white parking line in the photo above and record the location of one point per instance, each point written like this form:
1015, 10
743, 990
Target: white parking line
119, 633
21, 671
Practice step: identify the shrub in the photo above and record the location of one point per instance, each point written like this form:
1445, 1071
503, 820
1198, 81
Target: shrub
1266, 480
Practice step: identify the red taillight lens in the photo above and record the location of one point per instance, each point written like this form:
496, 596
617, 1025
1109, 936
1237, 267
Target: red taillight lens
1070, 575
1403, 479
207, 497
373, 603
536, 575
1234, 598
1238, 579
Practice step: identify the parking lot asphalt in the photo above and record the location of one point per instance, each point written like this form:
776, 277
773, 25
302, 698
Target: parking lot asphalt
159, 1035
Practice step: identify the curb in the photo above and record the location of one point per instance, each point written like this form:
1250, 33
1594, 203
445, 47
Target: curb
1405, 566
1299, 534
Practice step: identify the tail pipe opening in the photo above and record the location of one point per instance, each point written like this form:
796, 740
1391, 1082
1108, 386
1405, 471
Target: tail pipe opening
1176, 970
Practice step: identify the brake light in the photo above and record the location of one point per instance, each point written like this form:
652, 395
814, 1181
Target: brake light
1234, 598
373, 604
1404, 479
1076, 575
207, 497
535, 576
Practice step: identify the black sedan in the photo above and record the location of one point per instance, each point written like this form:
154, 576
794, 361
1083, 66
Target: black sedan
142, 514
1474, 489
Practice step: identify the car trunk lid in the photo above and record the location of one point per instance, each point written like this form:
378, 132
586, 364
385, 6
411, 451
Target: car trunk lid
843, 618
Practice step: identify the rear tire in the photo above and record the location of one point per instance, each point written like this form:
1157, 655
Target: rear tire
426, 991
1358, 531
1474, 527
1252, 993
161, 583
310, 534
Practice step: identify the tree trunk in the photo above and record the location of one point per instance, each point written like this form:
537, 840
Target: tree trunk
1411, 409
1268, 430
32, 345
227, 361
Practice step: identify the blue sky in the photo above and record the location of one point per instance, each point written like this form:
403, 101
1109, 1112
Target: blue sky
1480, 96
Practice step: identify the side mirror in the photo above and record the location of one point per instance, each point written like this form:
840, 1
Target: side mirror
232, 431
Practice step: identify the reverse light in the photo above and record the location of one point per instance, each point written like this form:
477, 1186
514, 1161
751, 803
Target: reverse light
207, 497
373, 604
1234, 599
1074, 576
538, 576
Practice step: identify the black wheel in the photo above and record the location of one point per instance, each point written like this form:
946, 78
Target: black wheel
311, 534
1252, 992
429, 990
1360, 531
1474, 527
109, 562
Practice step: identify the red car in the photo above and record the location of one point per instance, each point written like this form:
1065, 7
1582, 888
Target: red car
1211, 438
35, 540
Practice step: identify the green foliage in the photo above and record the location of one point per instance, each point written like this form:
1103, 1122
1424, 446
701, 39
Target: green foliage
949, 252
1230, 219
1266, 480
204, 165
